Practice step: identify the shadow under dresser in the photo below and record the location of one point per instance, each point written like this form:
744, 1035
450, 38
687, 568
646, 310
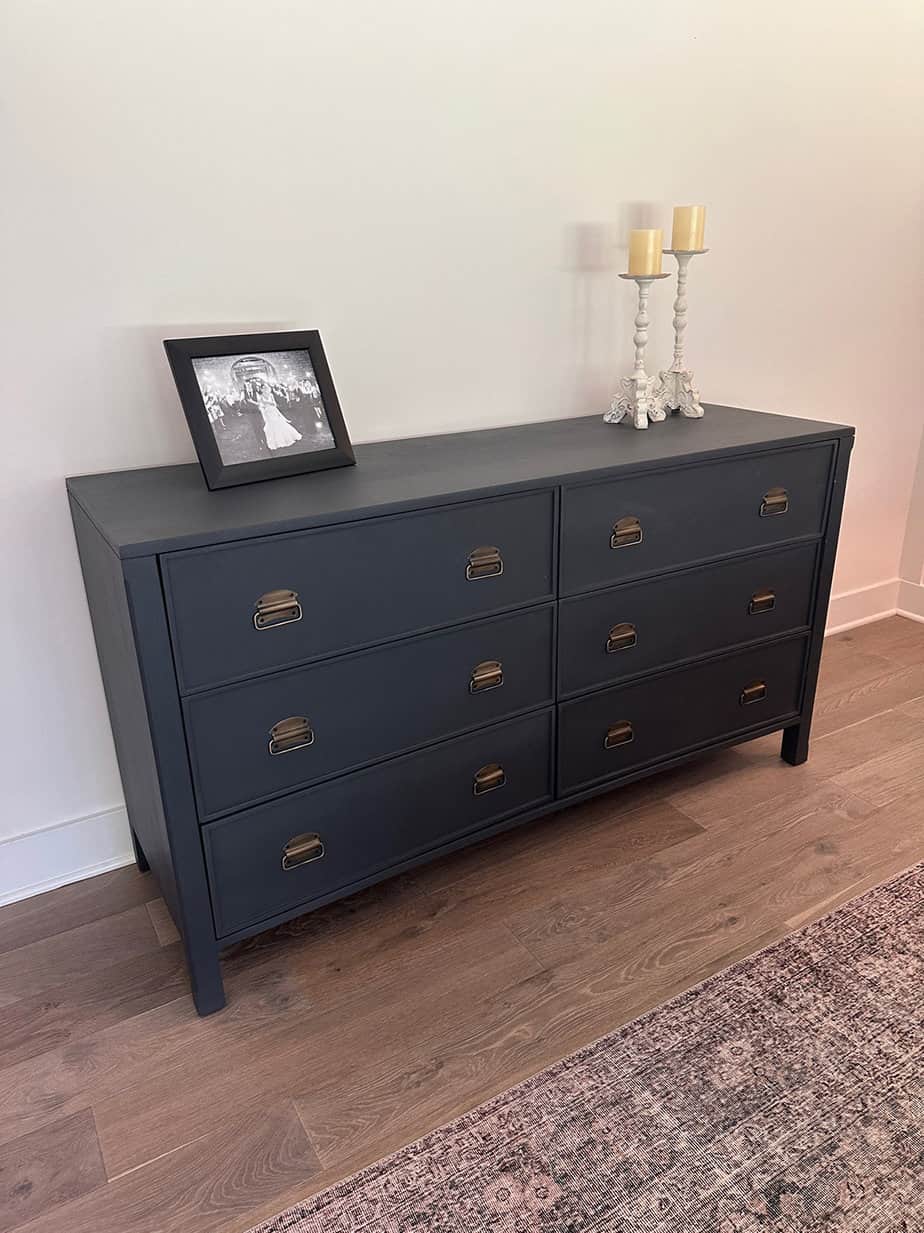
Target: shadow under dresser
319, 681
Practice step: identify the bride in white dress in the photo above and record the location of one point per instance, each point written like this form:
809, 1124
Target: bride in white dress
278, 431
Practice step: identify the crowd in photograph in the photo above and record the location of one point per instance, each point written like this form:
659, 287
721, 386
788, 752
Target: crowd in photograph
259, 414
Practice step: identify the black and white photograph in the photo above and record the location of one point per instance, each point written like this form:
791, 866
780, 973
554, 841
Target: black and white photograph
262, 406
259, 406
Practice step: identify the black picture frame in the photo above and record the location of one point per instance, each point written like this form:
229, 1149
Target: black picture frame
218, 473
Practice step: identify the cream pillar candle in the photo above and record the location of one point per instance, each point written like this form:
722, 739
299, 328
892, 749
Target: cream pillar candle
689, 228
645, 252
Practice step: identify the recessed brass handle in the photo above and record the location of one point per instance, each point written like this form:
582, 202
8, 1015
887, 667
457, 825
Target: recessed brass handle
488, 778
621, 638
302, 850
620, 734
484, 562
755, 692
761, 601
626, 532
487, 675
277, 608
775, 502
291, 734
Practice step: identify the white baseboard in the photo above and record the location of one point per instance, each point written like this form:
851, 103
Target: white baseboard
63, 852
859, 607
911, 600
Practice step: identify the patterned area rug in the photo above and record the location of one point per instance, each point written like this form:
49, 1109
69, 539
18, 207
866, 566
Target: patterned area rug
784, 1094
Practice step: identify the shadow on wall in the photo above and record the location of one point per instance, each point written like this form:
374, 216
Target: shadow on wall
912, 561
138, 377
601, 312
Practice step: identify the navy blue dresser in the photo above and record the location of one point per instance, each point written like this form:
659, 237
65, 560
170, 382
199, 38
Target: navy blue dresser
318, 681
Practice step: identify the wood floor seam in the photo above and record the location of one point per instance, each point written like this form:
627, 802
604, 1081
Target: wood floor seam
540, 966
146, 1164
696, 821
857, 723
315, 1147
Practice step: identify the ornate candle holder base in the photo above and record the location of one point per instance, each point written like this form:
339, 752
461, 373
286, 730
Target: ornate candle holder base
676, 391
637, 399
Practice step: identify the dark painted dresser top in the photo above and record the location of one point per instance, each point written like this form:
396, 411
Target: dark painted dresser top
159, 509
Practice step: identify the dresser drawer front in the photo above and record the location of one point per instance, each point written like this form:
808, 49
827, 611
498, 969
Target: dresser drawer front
609, 733
690, 515
341, 588
359, 826
612, 635
367, 706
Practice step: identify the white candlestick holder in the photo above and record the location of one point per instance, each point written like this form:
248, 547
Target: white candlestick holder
676, 390
637, 397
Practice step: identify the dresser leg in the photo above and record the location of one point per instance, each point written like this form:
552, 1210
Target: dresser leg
140, 859
795, 744
208, 989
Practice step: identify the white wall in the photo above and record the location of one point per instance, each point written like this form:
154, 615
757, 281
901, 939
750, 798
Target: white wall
442, 189
911, 589
912, 564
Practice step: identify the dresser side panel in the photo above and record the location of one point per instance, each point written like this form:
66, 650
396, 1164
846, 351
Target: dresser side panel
796, 739
147, 613
115, 648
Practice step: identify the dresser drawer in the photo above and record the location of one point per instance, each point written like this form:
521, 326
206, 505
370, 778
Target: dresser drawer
356, 827
610, 635
364, 707
609, 733
247, 608
627, 528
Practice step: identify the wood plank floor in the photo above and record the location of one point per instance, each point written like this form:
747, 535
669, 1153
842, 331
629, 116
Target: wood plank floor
359, 1028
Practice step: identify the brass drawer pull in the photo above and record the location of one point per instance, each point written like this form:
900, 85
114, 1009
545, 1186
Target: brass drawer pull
277, 608
621, 638
626, 532
761, 601
755, 692
302, 850
620, 734
488, 778
775, 502
487, 675
291, 734
484, 562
